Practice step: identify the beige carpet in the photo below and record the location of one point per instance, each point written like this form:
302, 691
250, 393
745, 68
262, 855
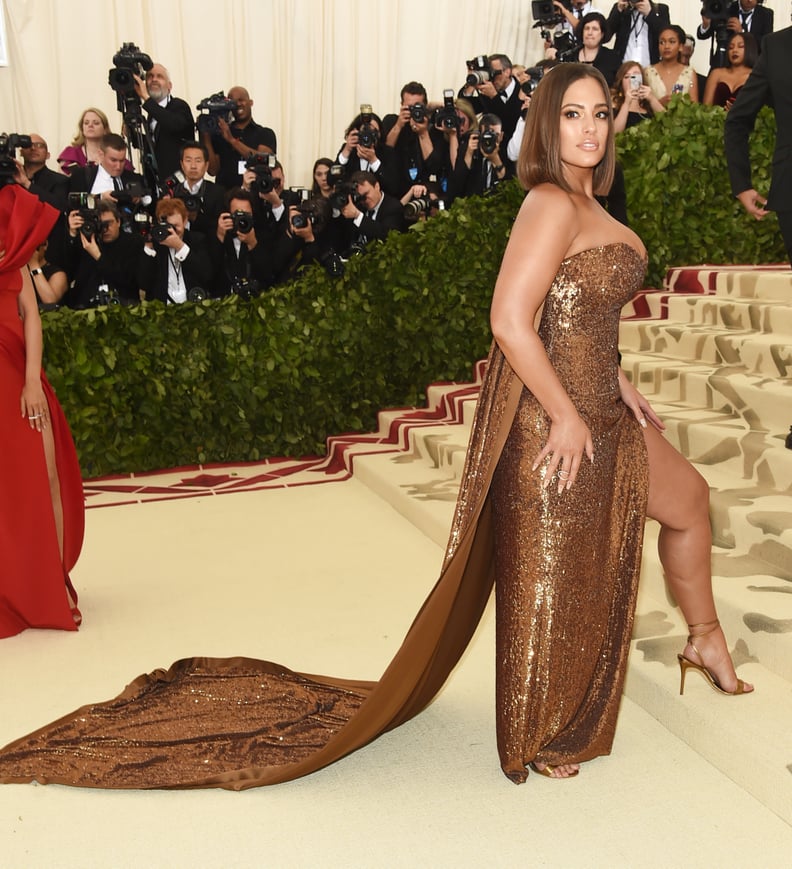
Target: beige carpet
326, 579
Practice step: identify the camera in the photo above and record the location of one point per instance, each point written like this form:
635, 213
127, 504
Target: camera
160, 231
262, 165
478, 70
488, 141
212, 109
368, 135
333, 264
8, 147
128, 62
243, 222
416, 207
544, 12
245, 288
197, 294
105, 295
534, 74
86, 205
418, 112
344, 191
446, 117
715, 10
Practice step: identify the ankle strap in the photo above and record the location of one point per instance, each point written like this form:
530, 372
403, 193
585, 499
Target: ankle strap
715, 624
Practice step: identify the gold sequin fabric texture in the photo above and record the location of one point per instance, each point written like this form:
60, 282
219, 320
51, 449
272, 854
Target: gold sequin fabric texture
567, 565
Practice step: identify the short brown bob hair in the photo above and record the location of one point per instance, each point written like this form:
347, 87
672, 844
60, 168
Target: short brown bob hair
539, 161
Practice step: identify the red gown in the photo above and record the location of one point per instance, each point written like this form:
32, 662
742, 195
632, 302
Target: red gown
33, 577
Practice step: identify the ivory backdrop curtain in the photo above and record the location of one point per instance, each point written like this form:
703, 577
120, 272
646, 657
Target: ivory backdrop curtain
308, 64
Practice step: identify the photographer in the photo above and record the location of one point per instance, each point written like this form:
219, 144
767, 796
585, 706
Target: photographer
307, 239
232, 145
479, 166
110, 175
103, 260
265, 180
368, 212
36, 177
422, 201
717, 25
636, 25
203, 199
176, 265
361, 151
574, 12
414, 149
170, 121
242, 264
493, 90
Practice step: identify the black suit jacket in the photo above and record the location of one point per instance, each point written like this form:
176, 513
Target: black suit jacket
51, 187
117, 267
196, 268
770, 83
175, 126
250, 265
82, 178
212, 198
620, 24
390, 218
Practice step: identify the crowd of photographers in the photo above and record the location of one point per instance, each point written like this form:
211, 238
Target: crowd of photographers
170, 233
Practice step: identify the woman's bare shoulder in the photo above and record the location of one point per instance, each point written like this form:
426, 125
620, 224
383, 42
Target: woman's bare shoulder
549, 201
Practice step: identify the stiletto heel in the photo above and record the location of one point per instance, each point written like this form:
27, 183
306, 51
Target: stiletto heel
685, 663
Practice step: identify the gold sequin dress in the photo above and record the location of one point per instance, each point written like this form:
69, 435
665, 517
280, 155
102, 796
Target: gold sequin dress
567, 574
567, 565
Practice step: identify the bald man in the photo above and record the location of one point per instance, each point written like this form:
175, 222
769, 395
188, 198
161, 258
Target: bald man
170, 121
34, 174
231, 147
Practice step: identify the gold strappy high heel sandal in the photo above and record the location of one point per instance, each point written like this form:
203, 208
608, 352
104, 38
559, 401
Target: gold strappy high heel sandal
686, 664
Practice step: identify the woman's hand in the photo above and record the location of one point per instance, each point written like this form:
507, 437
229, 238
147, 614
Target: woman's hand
640, 407
569, 439
34, 405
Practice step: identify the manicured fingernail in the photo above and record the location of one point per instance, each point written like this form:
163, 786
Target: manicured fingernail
642, 421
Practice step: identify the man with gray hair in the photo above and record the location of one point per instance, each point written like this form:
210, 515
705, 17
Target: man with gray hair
170, 121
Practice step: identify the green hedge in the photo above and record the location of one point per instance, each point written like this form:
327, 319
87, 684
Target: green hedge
156, 386
231, 380
678, 194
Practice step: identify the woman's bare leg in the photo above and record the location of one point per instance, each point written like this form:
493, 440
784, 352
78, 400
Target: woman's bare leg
57, 504
679, 501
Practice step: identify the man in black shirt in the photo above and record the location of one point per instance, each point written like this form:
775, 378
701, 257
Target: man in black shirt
229, 150
34, 174
413, 150
191, 185
243, 265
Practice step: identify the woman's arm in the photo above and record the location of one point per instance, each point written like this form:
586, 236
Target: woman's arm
709, 88
33, 403
542, 236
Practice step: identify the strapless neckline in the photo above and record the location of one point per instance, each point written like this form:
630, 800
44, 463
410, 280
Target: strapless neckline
641, 257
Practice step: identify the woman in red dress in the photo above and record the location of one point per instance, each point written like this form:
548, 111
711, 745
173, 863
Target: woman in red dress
41, 498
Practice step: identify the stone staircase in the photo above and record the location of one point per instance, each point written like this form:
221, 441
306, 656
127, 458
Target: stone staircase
712, 350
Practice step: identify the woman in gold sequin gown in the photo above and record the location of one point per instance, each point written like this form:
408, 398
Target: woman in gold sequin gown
561, 470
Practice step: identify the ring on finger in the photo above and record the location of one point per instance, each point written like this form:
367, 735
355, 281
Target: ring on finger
563, 474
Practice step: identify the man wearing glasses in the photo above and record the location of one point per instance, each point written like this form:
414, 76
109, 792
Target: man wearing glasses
34, 175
